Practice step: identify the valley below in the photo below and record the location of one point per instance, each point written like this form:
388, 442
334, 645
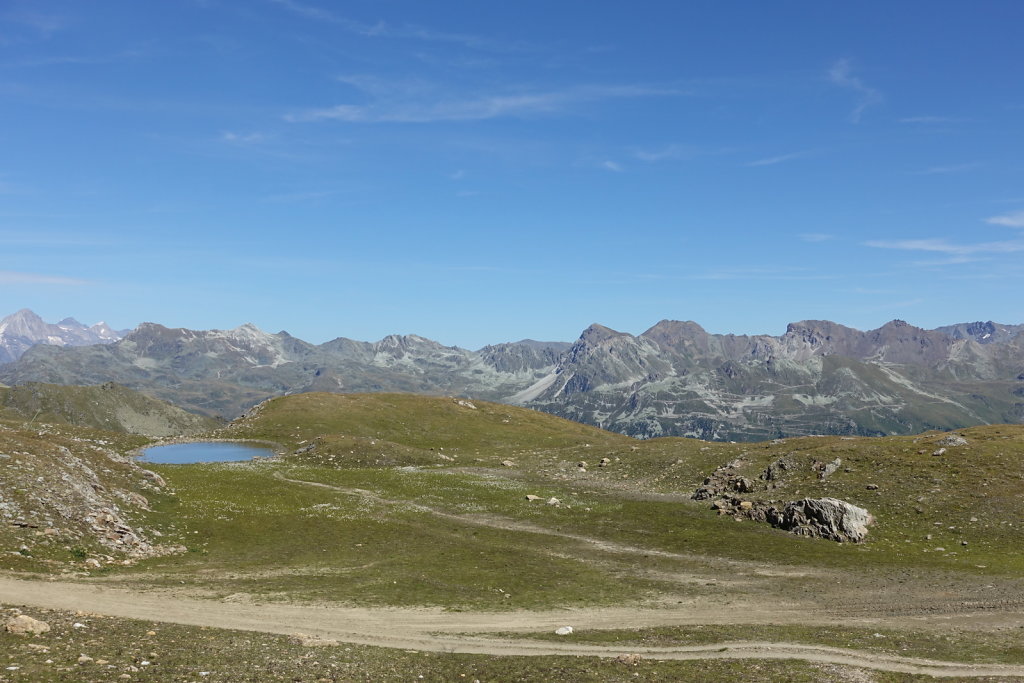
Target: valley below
396, 535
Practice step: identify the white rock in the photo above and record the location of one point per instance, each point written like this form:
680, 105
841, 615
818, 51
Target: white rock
563, 630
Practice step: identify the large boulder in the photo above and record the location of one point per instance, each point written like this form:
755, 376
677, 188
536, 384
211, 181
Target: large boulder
24, 625
823, 518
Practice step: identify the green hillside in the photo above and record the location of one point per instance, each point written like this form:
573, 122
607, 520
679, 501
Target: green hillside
106, 406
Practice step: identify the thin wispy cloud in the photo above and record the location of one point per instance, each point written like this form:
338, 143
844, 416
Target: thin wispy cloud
479, 108
1010, 220
780, 159
7, 188
953, 168
890, 306
36, 239
928, 120
301, 196
943, 246
841, 74
383, 29
611, 166
756, 273
242, 138
10, 277
43, 23
73, 60
667, 153
816, 237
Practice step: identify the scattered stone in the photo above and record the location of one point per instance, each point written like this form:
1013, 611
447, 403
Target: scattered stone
93, 563
629, 659
872, 487
604, 462
153, 477
507, 463
775, 471
465, 404
85, 659
941, 451
581, 464
953, 440
724, 480
311, 641
563, 631
554, 501
24, 625
746, 505
827, 469
530, 497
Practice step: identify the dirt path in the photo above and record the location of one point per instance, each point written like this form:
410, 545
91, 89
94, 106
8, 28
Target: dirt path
503, 523
438, 631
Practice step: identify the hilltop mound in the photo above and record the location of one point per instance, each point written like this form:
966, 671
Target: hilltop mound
410, 424
107, 406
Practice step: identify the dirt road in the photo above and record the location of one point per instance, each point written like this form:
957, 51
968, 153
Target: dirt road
439, 631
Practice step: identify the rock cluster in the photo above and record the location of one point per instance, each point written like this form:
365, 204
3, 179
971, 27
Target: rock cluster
724, 479
829, 518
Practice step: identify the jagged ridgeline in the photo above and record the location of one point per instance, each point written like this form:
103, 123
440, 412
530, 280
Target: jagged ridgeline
674, 379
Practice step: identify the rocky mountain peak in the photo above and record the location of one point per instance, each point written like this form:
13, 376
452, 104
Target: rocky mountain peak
987, 332
24, 323
672, 333
595, 334
24, 329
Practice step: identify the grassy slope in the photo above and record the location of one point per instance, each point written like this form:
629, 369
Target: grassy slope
249, 532
252, 533
107, 406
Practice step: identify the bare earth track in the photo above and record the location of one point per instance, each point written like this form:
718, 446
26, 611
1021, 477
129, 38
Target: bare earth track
438, 631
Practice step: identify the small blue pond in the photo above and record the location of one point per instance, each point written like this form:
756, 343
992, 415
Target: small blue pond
202, 451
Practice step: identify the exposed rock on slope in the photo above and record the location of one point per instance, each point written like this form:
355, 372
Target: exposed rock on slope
828, 518
66, 498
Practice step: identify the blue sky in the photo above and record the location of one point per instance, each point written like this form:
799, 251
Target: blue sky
482, 172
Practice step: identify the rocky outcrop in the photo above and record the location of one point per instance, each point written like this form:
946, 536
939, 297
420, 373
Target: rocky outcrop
829, 518
60, 489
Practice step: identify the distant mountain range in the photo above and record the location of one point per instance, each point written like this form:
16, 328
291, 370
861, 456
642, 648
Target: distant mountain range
674, 379
24, 329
